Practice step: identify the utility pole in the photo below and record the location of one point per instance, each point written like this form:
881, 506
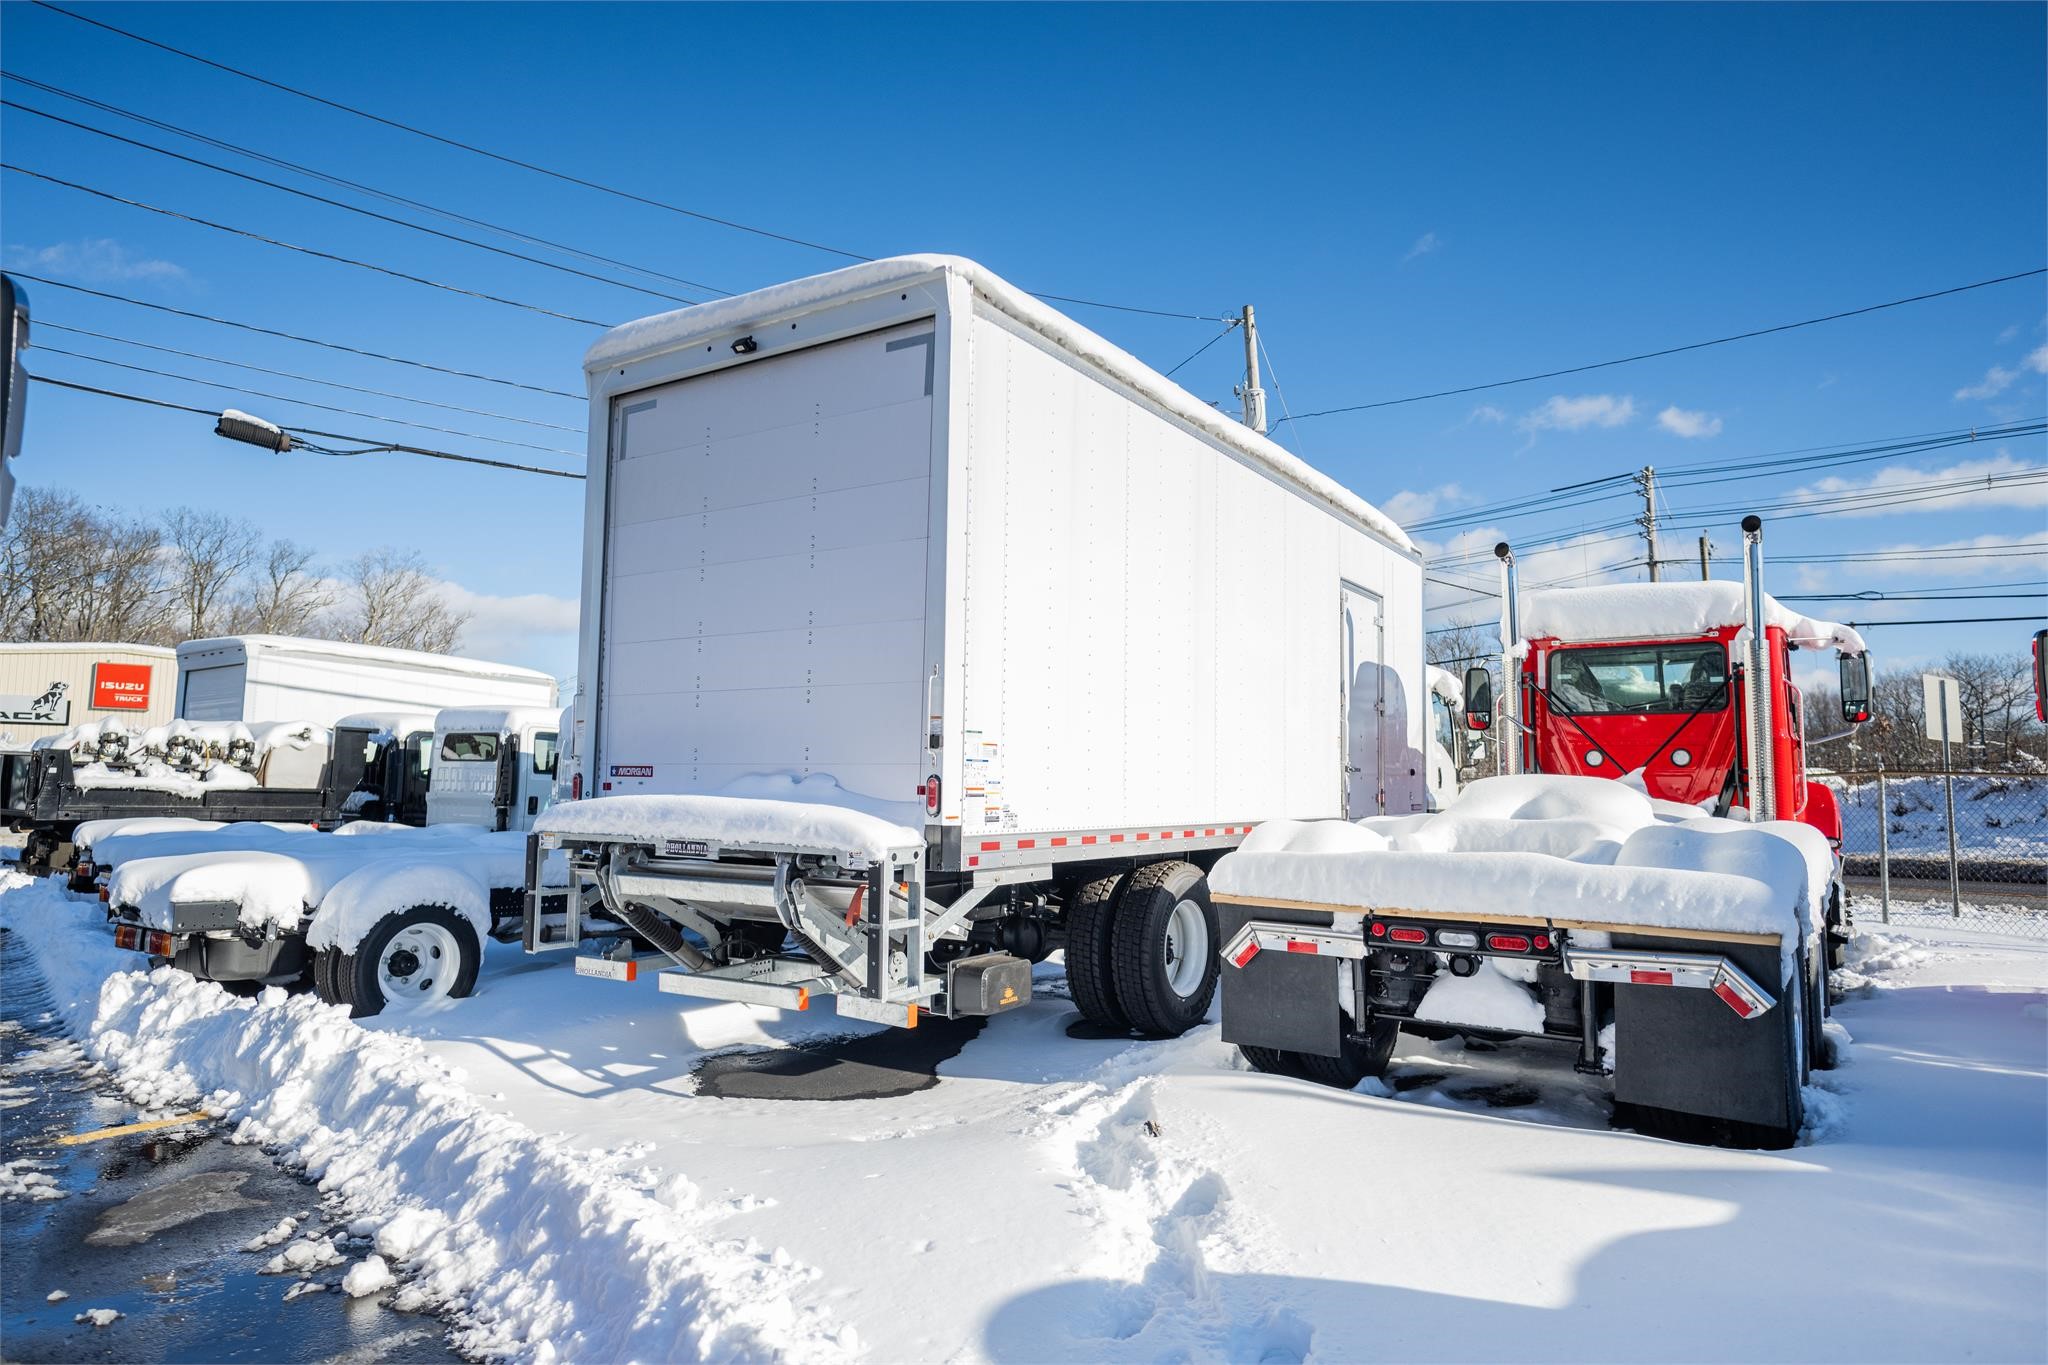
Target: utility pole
1647, 481
1707, 564
1254, 396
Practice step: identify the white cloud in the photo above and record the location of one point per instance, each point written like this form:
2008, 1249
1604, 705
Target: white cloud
1690, 425
1406, 506
95, 260
1559, 413
1424, 245
1907, 482
1996, 380
2019, 554
2008, 333
1487, 412
2037, 359
536, 630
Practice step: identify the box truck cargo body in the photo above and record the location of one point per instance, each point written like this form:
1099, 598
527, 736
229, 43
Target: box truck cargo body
902, 539
277, 677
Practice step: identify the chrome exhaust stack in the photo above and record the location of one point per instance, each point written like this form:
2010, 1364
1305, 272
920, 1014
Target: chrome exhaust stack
1759, 687
1510, 702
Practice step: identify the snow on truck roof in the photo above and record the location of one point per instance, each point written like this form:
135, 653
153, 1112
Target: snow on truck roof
496, 718
1645, 611
664, 332
343, 649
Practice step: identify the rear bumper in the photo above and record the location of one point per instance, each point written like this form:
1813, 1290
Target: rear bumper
212, 955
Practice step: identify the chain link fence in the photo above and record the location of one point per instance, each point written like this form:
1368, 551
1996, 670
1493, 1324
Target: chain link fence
1908, 863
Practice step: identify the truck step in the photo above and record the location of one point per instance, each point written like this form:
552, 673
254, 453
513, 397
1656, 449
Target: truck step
786, 983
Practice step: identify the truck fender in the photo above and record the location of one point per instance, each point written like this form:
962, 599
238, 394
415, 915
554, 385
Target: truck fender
1824, 811
352, 907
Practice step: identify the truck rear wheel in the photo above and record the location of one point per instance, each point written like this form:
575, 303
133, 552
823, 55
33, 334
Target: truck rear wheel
1090, 931
415, 957
1164, 954
1357, 1061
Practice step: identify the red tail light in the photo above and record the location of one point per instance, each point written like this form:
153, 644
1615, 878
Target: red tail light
1408, 935
1378, 930
1542, 943
931, 794
1507, 943
576, 787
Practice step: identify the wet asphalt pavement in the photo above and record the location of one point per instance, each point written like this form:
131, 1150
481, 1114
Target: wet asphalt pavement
152, 1224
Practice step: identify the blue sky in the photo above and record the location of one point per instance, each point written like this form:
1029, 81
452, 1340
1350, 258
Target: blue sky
1414, 197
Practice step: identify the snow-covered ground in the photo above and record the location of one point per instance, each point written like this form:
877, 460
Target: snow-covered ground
536, 1160
1997, 816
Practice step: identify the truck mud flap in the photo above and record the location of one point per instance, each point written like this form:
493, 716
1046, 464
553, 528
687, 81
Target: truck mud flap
1280, 999
1692, 1052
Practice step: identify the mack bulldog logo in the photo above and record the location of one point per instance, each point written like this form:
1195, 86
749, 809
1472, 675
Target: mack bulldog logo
52, 707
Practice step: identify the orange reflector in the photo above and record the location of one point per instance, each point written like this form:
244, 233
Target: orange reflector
911, 1022
632, 971
803, 997
1643, 978
1733, 999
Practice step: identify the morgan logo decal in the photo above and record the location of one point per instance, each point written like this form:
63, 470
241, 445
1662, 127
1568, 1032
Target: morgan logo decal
685, 848
632, 770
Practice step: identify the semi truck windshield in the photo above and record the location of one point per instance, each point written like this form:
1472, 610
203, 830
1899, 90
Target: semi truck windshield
1641, 679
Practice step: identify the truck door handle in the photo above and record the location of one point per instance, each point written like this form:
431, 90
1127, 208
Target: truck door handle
533, 805
1349, 769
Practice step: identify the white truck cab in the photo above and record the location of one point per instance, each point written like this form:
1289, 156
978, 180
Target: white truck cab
493, 766
1445, 752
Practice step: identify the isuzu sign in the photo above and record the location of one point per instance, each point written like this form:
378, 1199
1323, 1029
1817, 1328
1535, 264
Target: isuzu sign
50, 707
120, 687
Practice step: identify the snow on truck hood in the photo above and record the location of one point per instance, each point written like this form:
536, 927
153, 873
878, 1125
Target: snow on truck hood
670, 331
1568, 848
1644, 611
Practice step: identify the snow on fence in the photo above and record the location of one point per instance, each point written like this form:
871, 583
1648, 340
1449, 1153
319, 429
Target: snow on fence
1896, 848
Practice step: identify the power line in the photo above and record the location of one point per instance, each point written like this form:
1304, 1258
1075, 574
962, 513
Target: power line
350, 208
343, 182
303, 250
1668, 350
367, 447
302, 402
538, 169
1946, 621
44, 325
1984, 595
293, 336
1228, 329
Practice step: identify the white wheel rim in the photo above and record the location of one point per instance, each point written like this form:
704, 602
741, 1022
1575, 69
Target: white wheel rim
1187, 948
418, 965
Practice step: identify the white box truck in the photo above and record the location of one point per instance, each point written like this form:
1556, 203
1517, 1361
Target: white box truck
282, 677
925, 631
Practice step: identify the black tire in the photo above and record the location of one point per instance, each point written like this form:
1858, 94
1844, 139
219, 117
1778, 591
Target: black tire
1145, 955
1091, 922
1357, 1061
1273, 1061
352, 978
1820, 1049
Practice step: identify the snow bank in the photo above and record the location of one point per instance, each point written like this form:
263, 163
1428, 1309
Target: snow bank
1570, 848
1485, 999
536, 1251
733, 821
1642, 611
672, 330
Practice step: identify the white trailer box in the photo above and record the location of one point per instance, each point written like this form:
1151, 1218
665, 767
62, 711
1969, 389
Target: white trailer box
278, 677
903, 539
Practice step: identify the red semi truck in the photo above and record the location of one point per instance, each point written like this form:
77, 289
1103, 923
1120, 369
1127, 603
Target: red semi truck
1684, 955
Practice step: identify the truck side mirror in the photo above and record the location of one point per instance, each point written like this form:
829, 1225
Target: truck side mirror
1855, 688
1478, 698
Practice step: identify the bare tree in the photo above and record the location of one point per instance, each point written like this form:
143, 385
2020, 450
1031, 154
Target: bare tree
1997, 699
69, 571
1461, 644
391, 600
209, 554
285, 596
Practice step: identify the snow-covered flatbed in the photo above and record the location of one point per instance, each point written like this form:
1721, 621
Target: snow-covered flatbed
1135, 1201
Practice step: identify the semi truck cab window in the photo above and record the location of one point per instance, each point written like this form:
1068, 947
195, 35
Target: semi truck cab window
470, 747
544, 753
1641, 679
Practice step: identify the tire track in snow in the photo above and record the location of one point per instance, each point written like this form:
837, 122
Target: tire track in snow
1173, 1240
536, 1250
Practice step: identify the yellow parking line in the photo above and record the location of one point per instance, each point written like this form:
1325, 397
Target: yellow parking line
127, 1128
